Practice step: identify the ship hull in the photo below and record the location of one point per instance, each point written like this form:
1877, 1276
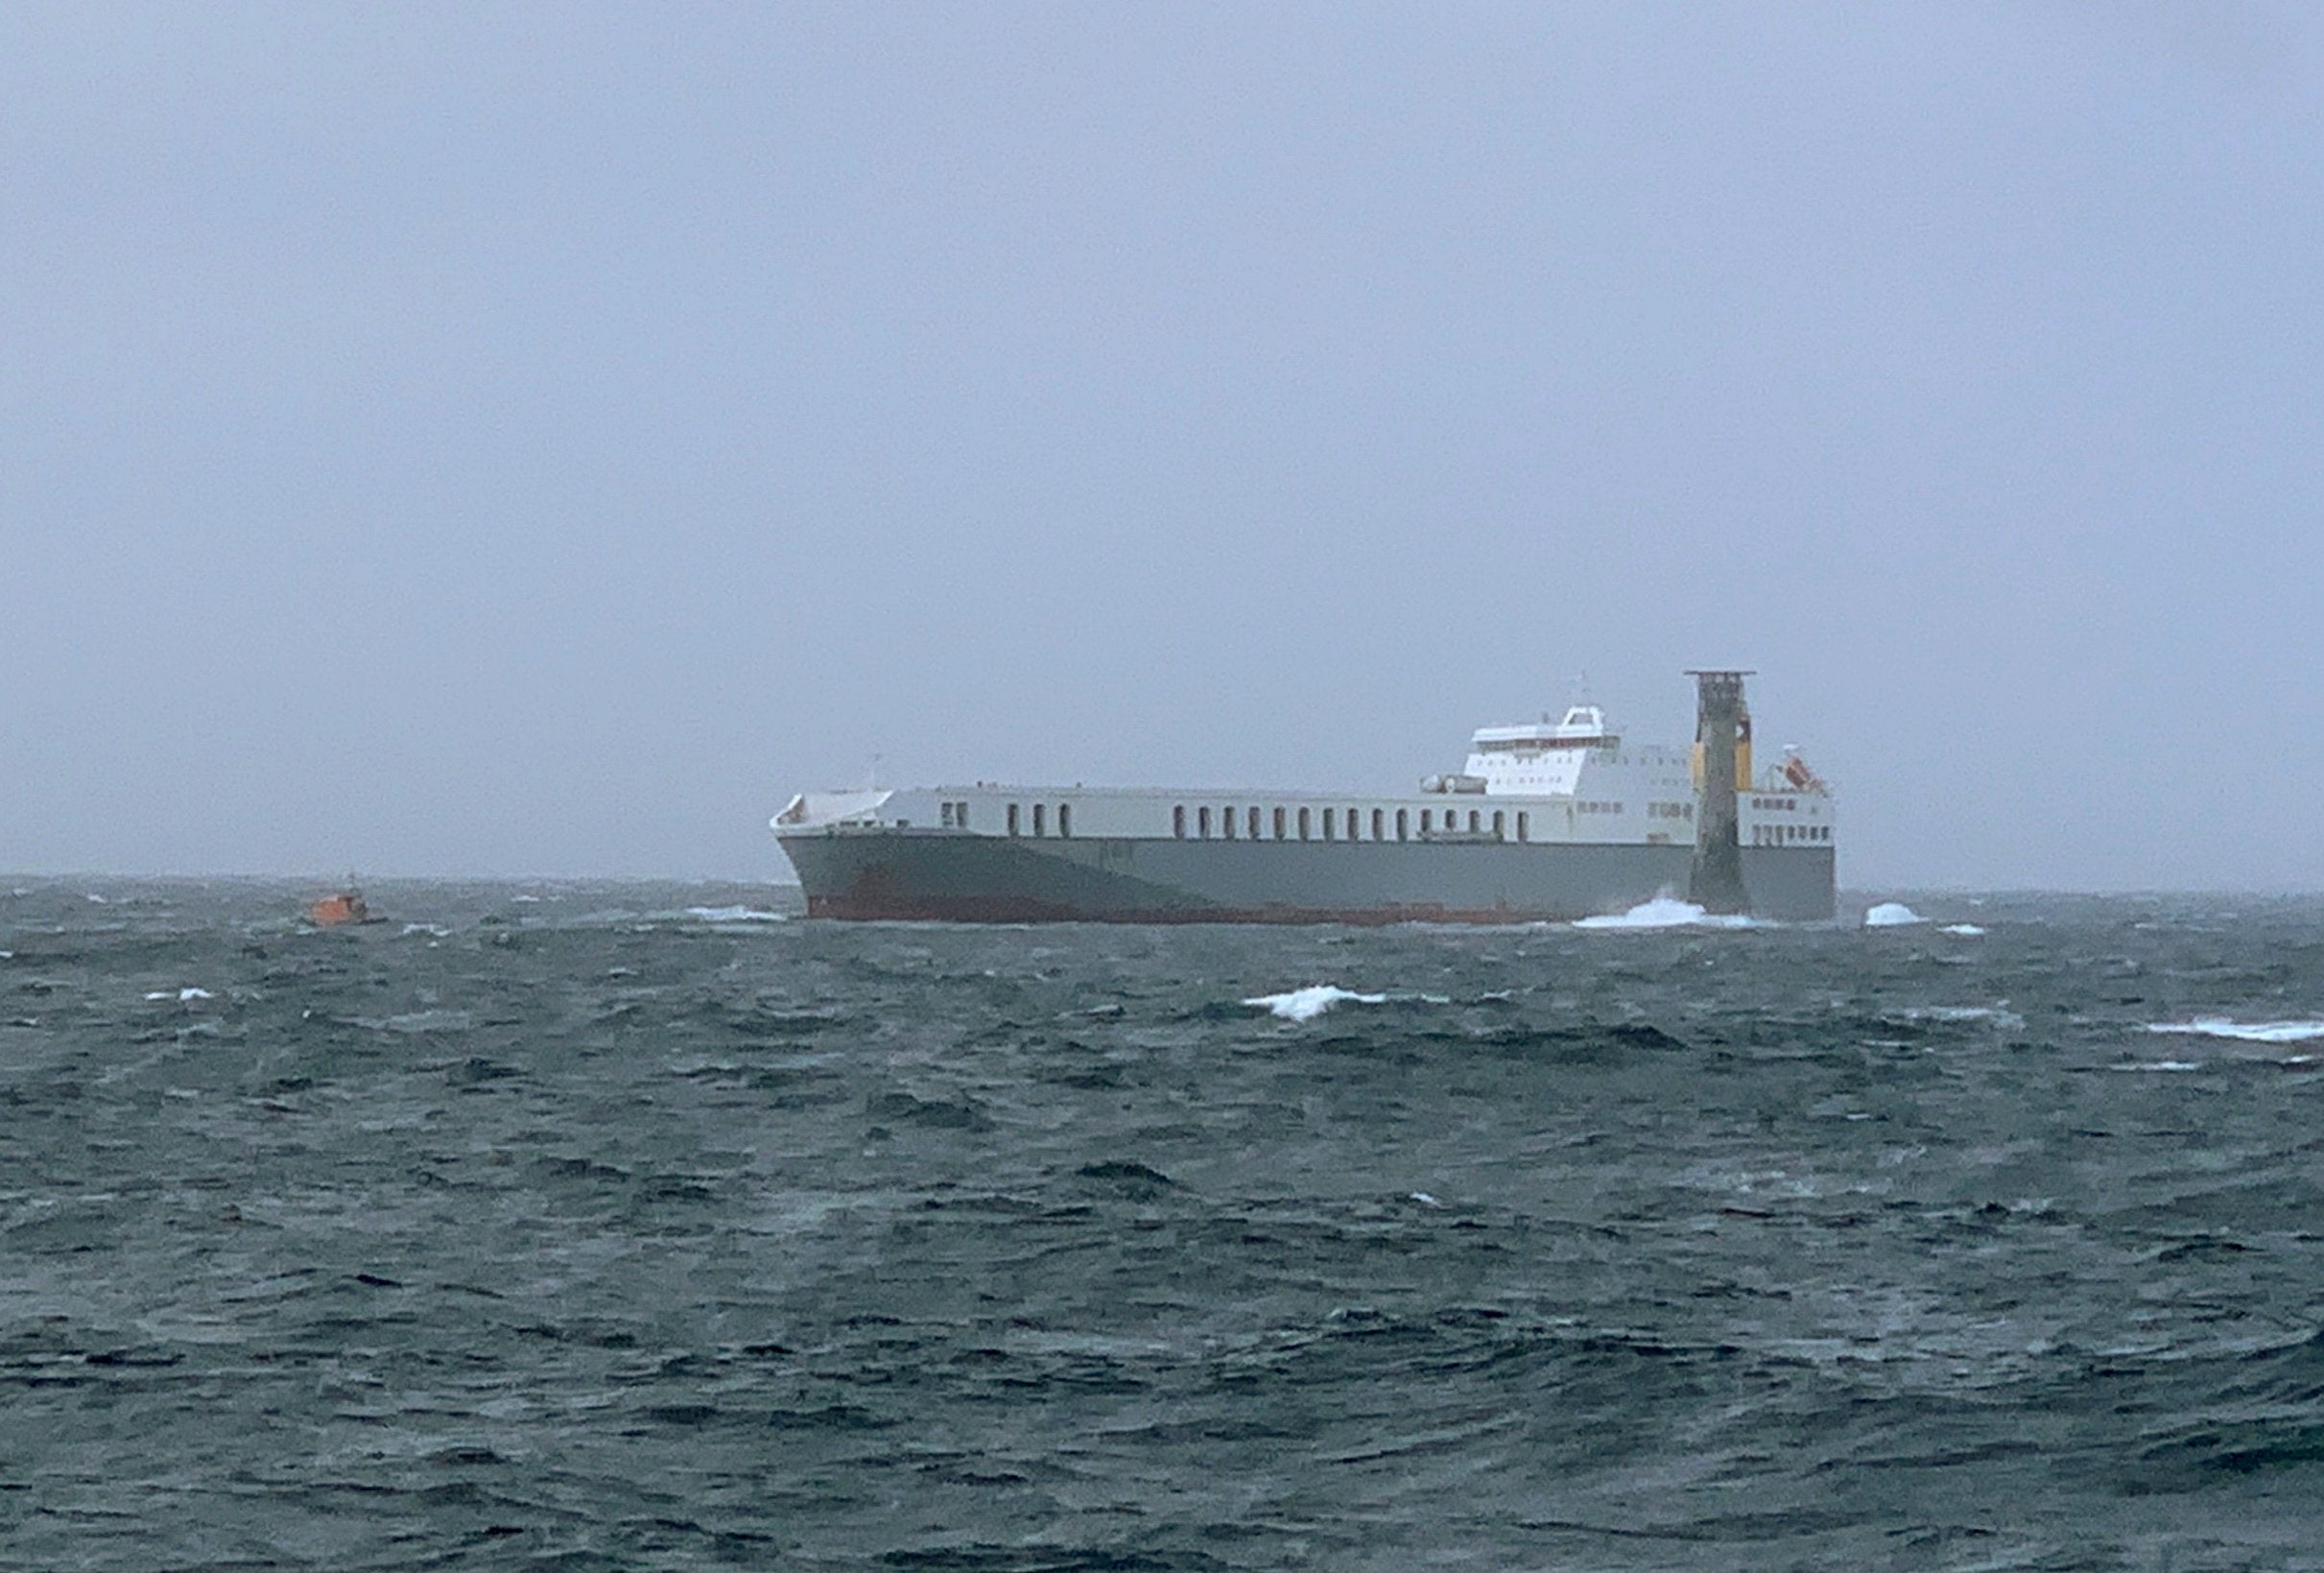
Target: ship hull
890, 873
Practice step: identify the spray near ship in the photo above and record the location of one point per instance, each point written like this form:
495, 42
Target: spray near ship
1548, 820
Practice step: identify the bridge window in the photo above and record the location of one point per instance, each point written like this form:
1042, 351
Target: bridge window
1202, 823
1040, 819
1496, 824
1428, 817
1302, 823
1278, 824
1064, 819
1379, 817
1253, 822
1178, 821
1525, 826
1226, 817
1012, 819
1327, 821
1400, 813
1473, 825
944, 816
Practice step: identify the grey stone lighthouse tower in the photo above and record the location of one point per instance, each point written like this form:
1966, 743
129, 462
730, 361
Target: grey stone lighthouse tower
1717, 883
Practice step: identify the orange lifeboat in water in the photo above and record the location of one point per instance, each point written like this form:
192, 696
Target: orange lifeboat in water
345, 907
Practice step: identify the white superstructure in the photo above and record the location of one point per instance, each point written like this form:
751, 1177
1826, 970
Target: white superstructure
1572, 781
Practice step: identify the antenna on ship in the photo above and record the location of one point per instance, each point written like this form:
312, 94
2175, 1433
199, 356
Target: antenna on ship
1578, 693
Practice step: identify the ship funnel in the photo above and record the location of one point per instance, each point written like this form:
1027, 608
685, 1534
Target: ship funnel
1715, 883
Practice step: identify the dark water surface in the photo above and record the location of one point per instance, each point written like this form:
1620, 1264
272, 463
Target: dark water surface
590, 1231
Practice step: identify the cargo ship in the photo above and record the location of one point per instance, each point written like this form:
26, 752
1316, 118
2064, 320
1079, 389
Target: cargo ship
1550, 820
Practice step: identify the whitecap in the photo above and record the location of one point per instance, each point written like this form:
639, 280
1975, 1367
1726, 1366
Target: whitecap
735, 914
2245, 1032
183, 996
1892, 914
1665, 912
1309, 1002
419, 1021
2158, 1065
2000, 1016
1966, 930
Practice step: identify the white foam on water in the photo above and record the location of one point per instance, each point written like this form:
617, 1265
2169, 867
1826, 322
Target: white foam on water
1309, 1002
1425, 1199
1969, 930
2158, 1065
2000, 1016
1665, 912
2243, 1032
418, 1021
183, 996
735, 914
1892, 914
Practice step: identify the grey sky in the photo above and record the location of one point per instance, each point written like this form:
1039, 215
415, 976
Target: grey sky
537, 438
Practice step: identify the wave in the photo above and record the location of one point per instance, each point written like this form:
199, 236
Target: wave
1309, 1002
2245, 1032
1967, 930
1666, 912
735, 914
418, 1021
2000, 1016
1892, 914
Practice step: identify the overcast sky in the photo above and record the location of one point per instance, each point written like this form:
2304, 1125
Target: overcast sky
539, 439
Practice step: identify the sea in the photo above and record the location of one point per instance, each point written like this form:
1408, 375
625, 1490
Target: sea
618, 1226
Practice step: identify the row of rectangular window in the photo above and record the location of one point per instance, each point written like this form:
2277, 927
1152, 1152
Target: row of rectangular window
1040, 819
1252, 823
1255, 821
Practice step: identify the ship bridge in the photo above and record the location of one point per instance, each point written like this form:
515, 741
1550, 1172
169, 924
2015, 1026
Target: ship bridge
1584, 726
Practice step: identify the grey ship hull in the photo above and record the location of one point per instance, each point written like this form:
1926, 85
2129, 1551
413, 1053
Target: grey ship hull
890, 873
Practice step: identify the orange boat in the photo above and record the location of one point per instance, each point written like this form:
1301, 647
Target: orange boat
345, 907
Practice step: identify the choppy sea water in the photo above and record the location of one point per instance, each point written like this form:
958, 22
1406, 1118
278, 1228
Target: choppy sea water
625, 1226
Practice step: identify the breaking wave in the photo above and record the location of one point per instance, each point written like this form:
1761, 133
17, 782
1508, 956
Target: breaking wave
1309, 1002
1666, 912
2245, 1032
1997, 1015
1892, 914
1966, 930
